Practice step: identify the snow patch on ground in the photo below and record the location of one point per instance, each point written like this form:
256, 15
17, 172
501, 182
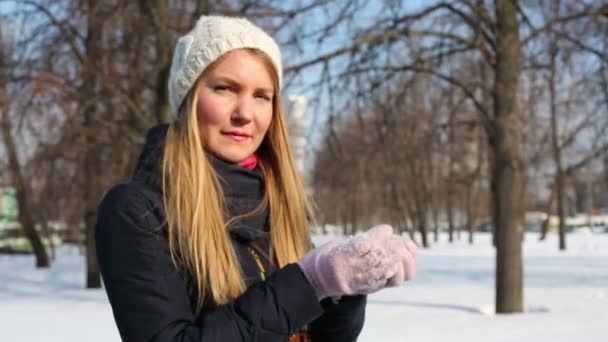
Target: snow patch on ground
452, 298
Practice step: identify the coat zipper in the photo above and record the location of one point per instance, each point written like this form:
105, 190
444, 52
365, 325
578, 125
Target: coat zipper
300, 336
258, 261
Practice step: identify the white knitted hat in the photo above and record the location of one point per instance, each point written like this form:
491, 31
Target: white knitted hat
211, 37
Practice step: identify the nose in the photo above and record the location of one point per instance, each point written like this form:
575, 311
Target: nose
243, 112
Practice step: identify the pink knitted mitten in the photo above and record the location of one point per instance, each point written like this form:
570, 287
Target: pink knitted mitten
407, 269
359, 265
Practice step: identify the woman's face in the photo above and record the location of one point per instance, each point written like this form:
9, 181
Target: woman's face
234, 108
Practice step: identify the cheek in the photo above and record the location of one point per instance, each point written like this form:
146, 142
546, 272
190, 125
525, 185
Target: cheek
209, 113
203, 111
265, 120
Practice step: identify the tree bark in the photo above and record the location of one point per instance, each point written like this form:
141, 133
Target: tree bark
450, 212
159, 14
507, 169
202, 7
18, 181
164, 49
435, 225
450, 185
28, 224
434, 200
470, 205
419, 205
606, 170
556, 149
544, 228
91, 192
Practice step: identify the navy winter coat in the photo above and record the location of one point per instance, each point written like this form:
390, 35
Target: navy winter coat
150, 297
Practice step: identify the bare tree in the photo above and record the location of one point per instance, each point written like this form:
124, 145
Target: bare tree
483, 33
16, 171
91, 194
564, 83
557, 153
507, 167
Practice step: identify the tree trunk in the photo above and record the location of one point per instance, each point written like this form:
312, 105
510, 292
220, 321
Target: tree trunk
431, 189
436, 225
407, 216
508, 171
450, 185
93, 274
544, 228
202, 7
470, 210
557, 153
398, 210
17, 180
25, 217
606, 170
459, 226
419, 206
422, 223
91, 196
164, 49
48, 233
354, 224
450, 210
424, 235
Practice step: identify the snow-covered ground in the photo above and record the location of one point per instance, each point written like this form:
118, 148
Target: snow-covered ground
566, 297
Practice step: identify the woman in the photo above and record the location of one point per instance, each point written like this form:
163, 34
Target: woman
208, 241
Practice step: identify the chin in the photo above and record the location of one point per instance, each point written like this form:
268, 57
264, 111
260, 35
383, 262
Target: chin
233, 157
230, 152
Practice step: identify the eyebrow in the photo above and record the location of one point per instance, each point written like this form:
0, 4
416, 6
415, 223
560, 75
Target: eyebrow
234, 83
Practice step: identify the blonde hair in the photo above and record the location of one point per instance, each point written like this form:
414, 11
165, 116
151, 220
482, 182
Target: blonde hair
195, 205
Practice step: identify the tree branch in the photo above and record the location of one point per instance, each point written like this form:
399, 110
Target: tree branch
62, 28
548, 27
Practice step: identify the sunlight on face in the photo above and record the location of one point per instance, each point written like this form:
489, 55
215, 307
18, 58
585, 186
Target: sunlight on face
234, 108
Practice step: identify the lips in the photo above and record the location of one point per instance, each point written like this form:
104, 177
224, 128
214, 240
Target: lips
237, 136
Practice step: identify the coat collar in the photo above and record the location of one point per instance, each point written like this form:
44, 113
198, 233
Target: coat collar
243, 188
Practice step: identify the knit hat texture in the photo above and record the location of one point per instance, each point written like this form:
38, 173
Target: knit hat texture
212, 37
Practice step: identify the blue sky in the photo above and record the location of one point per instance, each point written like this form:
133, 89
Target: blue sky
317, 114
7, 6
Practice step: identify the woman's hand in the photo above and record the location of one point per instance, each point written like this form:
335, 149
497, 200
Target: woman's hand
363, 264
407, 269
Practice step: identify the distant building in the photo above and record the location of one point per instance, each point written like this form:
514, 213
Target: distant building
8, 207
296, 120
535, 219
584, 221
577, 222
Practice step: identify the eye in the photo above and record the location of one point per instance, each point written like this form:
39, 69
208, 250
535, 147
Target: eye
264, 97
221, 88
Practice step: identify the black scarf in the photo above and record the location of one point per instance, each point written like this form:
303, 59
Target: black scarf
243, 188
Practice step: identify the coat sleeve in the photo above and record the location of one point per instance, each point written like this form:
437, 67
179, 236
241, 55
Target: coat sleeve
149, 296
342, 321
